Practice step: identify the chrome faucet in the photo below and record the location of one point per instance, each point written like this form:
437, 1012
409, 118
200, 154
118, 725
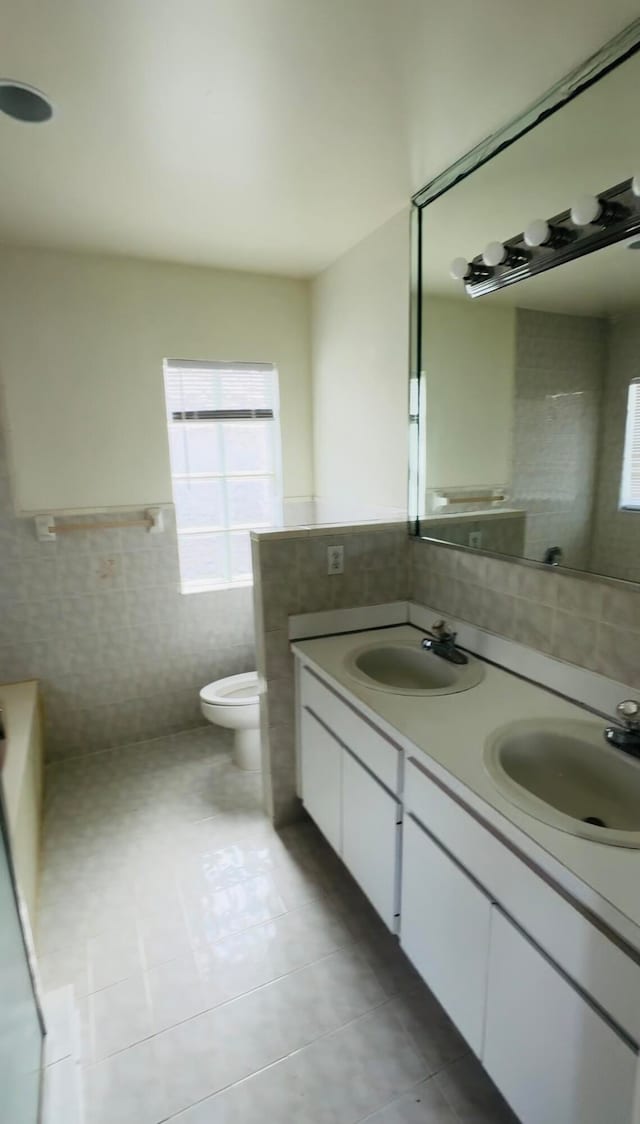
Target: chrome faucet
626, 736
442, 642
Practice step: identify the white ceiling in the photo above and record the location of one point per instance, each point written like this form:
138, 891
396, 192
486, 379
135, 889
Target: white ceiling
262, 134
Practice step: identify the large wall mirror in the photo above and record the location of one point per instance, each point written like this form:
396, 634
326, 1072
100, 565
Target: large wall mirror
526, 411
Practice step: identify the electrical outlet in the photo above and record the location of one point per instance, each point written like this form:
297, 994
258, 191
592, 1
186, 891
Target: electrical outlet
335, 560
475, 539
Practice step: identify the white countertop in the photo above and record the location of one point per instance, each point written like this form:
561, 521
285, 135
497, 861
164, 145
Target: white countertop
449, 731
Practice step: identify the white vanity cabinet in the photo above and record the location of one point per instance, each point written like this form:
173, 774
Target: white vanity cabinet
371, 837
444, 929
557, 1054
552, 1055
346, 788
546, 994
321, 763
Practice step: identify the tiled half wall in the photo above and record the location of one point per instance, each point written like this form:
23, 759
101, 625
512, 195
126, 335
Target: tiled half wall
290, 576
592, 624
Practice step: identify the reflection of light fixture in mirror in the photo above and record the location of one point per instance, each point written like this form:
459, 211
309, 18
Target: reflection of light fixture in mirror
463, 270
598, 221
590, 210
496, 253
24, 103
542, 233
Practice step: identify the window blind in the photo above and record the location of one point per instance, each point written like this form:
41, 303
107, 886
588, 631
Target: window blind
630, 487
224, 445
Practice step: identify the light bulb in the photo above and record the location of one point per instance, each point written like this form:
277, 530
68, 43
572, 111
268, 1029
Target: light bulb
494, 254
586, 210
537, 233
460, 269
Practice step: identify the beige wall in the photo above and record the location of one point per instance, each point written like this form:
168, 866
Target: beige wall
360, 332
469, 363
82, 339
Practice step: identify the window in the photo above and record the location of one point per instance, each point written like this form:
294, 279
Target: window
224, 446
630, 487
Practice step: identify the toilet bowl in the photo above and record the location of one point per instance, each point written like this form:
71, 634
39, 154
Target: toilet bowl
234, 703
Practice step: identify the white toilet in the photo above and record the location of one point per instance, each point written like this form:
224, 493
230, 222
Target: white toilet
234, 703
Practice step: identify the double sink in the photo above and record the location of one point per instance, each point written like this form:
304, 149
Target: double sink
562, 772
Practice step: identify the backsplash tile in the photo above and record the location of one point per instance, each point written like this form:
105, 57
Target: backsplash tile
98, 618
595, 625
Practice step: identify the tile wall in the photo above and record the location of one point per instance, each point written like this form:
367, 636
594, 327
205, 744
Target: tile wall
290, 576
98, 618
499, 533
614, 547
559, 374
591, 624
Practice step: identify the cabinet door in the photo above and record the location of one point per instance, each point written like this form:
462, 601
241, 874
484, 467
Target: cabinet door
321, 761
370, 837
550, 1053
444, 929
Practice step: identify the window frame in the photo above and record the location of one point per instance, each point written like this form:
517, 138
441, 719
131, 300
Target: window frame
218, 419
626, 501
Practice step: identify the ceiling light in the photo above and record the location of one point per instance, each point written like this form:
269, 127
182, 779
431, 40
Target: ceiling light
24, 103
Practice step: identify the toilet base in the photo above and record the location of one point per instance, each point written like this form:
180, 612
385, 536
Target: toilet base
246, 750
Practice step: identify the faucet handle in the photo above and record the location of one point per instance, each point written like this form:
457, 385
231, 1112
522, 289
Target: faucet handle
628, 712
442, 630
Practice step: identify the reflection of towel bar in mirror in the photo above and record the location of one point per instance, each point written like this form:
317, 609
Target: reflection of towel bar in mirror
488, 497
48, 529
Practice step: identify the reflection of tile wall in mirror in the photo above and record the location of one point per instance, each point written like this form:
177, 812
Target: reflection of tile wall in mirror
559, 372
536, 376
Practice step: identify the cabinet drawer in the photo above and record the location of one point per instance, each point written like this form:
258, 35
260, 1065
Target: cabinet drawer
377, 753
371, 837
597, 964
551, 1055
444, 930
321, 759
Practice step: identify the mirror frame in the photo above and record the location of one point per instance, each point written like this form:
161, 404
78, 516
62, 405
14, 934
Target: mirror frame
616, 51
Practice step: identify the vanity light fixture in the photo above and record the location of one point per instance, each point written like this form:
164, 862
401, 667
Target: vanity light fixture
591, 210
472, 272
593, 222
541, 233
496, 253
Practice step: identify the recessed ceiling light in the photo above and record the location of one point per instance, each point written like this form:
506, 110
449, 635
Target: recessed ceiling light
23, 102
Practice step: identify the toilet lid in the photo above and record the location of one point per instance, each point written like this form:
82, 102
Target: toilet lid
235, 690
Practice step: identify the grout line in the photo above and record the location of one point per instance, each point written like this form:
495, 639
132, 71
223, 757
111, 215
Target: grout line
292, 1054
232, 999
126, 745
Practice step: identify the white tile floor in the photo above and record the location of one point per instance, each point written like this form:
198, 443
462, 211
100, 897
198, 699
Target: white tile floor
223, 972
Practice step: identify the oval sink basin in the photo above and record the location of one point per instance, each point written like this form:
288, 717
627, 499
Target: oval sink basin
407, 670
565, 774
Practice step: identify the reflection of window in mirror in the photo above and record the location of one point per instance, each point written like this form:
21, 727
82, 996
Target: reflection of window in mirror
521, 448
630, 485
